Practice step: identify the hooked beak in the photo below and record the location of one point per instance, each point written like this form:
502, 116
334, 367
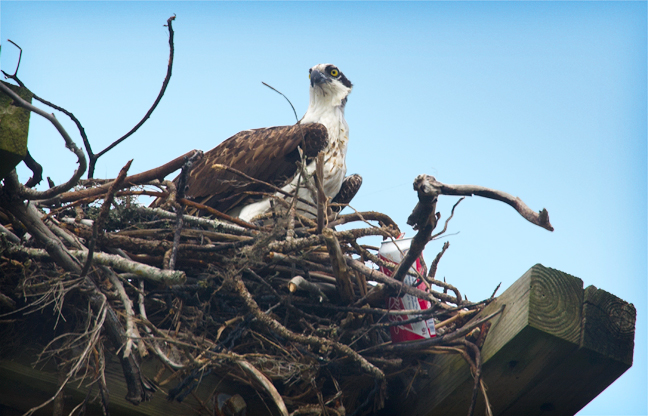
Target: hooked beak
317, 78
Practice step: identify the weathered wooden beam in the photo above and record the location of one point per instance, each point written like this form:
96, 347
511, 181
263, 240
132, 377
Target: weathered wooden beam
553, 349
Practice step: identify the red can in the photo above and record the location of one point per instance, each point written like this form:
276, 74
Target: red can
394, 252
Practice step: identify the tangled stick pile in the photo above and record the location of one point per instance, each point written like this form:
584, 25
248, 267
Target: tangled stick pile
286, 307
293, 308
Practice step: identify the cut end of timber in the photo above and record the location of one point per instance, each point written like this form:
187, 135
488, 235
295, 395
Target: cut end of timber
555, 347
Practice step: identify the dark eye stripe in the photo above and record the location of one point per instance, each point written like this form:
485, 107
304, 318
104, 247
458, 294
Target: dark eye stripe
340, 76
345, 81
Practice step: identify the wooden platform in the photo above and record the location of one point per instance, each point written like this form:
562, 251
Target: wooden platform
555, 347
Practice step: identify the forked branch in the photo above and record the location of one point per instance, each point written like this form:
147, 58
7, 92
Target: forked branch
31, 194
428, 185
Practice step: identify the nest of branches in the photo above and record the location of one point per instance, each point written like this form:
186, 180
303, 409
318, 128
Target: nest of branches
290, 306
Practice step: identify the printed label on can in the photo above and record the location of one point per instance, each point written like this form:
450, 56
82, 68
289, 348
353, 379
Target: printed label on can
394, 253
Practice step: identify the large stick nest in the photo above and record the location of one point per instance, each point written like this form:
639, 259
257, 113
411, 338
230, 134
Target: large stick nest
291, 306
295, 312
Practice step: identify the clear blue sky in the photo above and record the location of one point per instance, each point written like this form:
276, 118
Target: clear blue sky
544, 100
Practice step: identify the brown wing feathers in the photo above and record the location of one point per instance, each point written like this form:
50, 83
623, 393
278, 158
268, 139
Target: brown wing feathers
266, 154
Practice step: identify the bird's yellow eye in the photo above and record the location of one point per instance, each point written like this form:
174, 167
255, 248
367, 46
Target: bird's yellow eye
335, 72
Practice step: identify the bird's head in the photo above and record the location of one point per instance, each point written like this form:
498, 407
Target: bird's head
328, 86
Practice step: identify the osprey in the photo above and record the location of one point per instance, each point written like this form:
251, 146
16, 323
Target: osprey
272, 155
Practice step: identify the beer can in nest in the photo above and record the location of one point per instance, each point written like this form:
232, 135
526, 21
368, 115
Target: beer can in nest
394, 252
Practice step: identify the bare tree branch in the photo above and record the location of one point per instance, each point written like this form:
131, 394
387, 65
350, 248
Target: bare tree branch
445, 226
165, 83
36, 169
218, 214
182, 183
69, 143
150, 273
19, 60
423, 219
103, 214
540, 218
138, 389
76, 121
343, 283
137, 179
435, 262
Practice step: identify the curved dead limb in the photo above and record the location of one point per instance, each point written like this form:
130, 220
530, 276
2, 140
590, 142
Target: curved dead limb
28, 160
476, 368
456, 299
351, 235
445, 226
373, 311
435, 262
296, 244
36, 169
365, 216
318, 342
93, 158
308, 265
137, 179
28, 193
317, 239
267, 385
9, 235
430, 186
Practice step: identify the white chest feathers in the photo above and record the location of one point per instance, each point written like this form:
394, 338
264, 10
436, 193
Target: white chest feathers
335, 152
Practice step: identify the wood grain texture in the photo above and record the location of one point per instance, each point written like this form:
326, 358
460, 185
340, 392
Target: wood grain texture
553, 349
609, 324
605, 352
